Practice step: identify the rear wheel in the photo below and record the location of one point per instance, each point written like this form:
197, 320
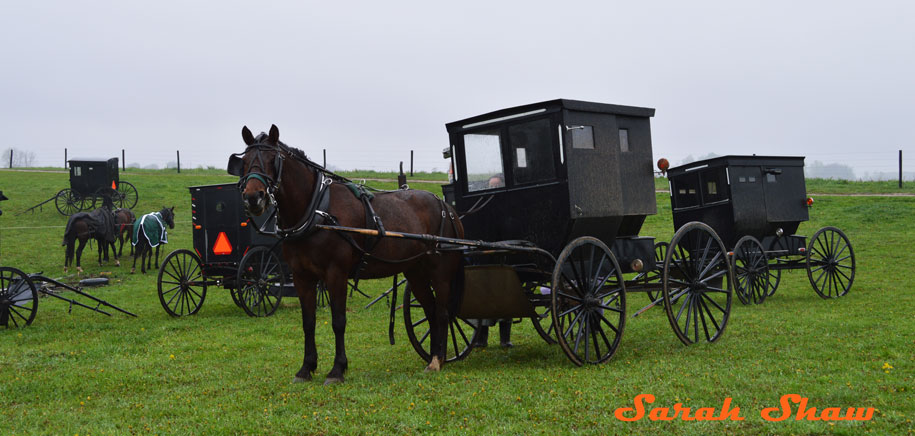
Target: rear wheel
830, 263
261, 277
18, 298
182, 284
67, 202
696, 278
588, 301
751, 271
458, 336
126, 195
660, 252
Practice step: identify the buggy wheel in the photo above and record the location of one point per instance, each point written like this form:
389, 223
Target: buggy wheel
830, 263
588, 301
458, 335
543, 322
261, 277
67, 202
751, 271
660, 252
102, 193
236, 298
18, 298
696, 279
323, 298
126, 195
182, 283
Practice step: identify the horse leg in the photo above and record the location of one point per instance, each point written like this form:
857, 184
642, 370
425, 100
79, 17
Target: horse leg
157, 255
79, 255
307, 299
442, 286
133, 269
336, 287
419, 287
114, 253
102, 248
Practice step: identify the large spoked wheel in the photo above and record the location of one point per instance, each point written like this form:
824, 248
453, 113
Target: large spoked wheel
660, 252
751, 271
126, 195
182, 284
261, 277
588, 301
67, 202
696, 279
458, 335
18, 298
830, 263
543, 306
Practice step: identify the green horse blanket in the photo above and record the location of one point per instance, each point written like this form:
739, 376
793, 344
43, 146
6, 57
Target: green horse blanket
152, 227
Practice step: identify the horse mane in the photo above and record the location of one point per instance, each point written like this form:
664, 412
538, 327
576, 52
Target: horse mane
300, 156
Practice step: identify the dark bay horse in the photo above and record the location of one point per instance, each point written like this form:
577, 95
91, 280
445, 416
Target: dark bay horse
99, 225
123, 219
271, 171
149, 231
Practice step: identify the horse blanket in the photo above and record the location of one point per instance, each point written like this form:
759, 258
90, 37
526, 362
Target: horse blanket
101, 224
152, 226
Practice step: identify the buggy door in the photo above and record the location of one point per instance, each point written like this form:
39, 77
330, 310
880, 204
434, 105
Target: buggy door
222, 218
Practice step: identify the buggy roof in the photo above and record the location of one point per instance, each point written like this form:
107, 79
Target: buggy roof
737, 160
550, 106
92, 159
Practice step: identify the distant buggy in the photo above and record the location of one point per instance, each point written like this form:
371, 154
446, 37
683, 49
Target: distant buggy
755, 204
91, 180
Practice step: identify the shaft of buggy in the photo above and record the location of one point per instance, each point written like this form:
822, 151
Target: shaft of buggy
95, 309
41, 278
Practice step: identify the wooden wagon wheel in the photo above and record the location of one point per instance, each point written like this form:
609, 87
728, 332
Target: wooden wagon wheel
696, 279
260, 281
751, 271
588, 301
182, 283
830, 263
543, 306
18, 298
67, 202
127, 195
459, 334
660, 252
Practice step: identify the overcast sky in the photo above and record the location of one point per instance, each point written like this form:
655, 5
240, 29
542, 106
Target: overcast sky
834, 81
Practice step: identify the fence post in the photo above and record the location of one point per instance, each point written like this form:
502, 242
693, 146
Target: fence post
11, 158
65, 157
178, 152
411, 163
900, 169
123, 161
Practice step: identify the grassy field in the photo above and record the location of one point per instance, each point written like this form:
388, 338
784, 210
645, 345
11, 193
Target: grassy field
221, 372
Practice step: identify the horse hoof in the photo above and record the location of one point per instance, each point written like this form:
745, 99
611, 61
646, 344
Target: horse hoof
333, 381
298, 379
435, 365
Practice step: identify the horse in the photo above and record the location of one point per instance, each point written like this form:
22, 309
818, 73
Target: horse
269, 170
99, 225
124, 219
150, 231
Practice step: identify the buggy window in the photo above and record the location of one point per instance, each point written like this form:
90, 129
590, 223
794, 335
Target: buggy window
686, 190
714, 186
532, 152
483, 152
77, 171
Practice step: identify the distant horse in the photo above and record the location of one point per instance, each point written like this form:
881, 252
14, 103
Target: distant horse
148, 232
124, 219
269, 169
99, 225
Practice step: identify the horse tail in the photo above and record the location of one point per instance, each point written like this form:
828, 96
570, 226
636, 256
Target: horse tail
456, 297
69, 232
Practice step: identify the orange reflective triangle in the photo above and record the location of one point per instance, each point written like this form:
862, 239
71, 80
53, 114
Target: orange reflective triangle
113, 185
222, 245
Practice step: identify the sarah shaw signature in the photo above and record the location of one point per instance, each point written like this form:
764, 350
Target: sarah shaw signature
780, 413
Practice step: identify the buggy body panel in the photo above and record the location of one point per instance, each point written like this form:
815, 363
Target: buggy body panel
87, 176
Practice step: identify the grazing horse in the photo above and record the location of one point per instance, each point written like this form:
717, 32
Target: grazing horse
304, 193
150, 231
124, 218
99, 225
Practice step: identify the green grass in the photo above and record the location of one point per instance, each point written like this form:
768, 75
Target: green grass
221, 372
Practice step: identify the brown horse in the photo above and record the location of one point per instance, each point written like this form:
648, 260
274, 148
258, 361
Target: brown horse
271, 171
124, 219
99, 225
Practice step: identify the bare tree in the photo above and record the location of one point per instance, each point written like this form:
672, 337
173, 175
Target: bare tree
20, 158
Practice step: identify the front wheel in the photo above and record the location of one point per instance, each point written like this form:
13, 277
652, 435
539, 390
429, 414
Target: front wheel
458, 336
261, 278
182, 284
830, 263
18, 298
67, 202
588, 301
751, 271
696, 279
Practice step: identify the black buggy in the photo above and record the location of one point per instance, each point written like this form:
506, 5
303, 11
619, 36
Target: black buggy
564, 186
91, 180
228, 253
756, 204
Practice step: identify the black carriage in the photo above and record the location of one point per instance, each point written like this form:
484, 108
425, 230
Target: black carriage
227, 252
756, 204
90, 181
565, 186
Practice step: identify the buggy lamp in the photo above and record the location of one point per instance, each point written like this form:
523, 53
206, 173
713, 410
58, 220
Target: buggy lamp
663, 165
197, 227
244, 224
779, 232
809, 201
637, 265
